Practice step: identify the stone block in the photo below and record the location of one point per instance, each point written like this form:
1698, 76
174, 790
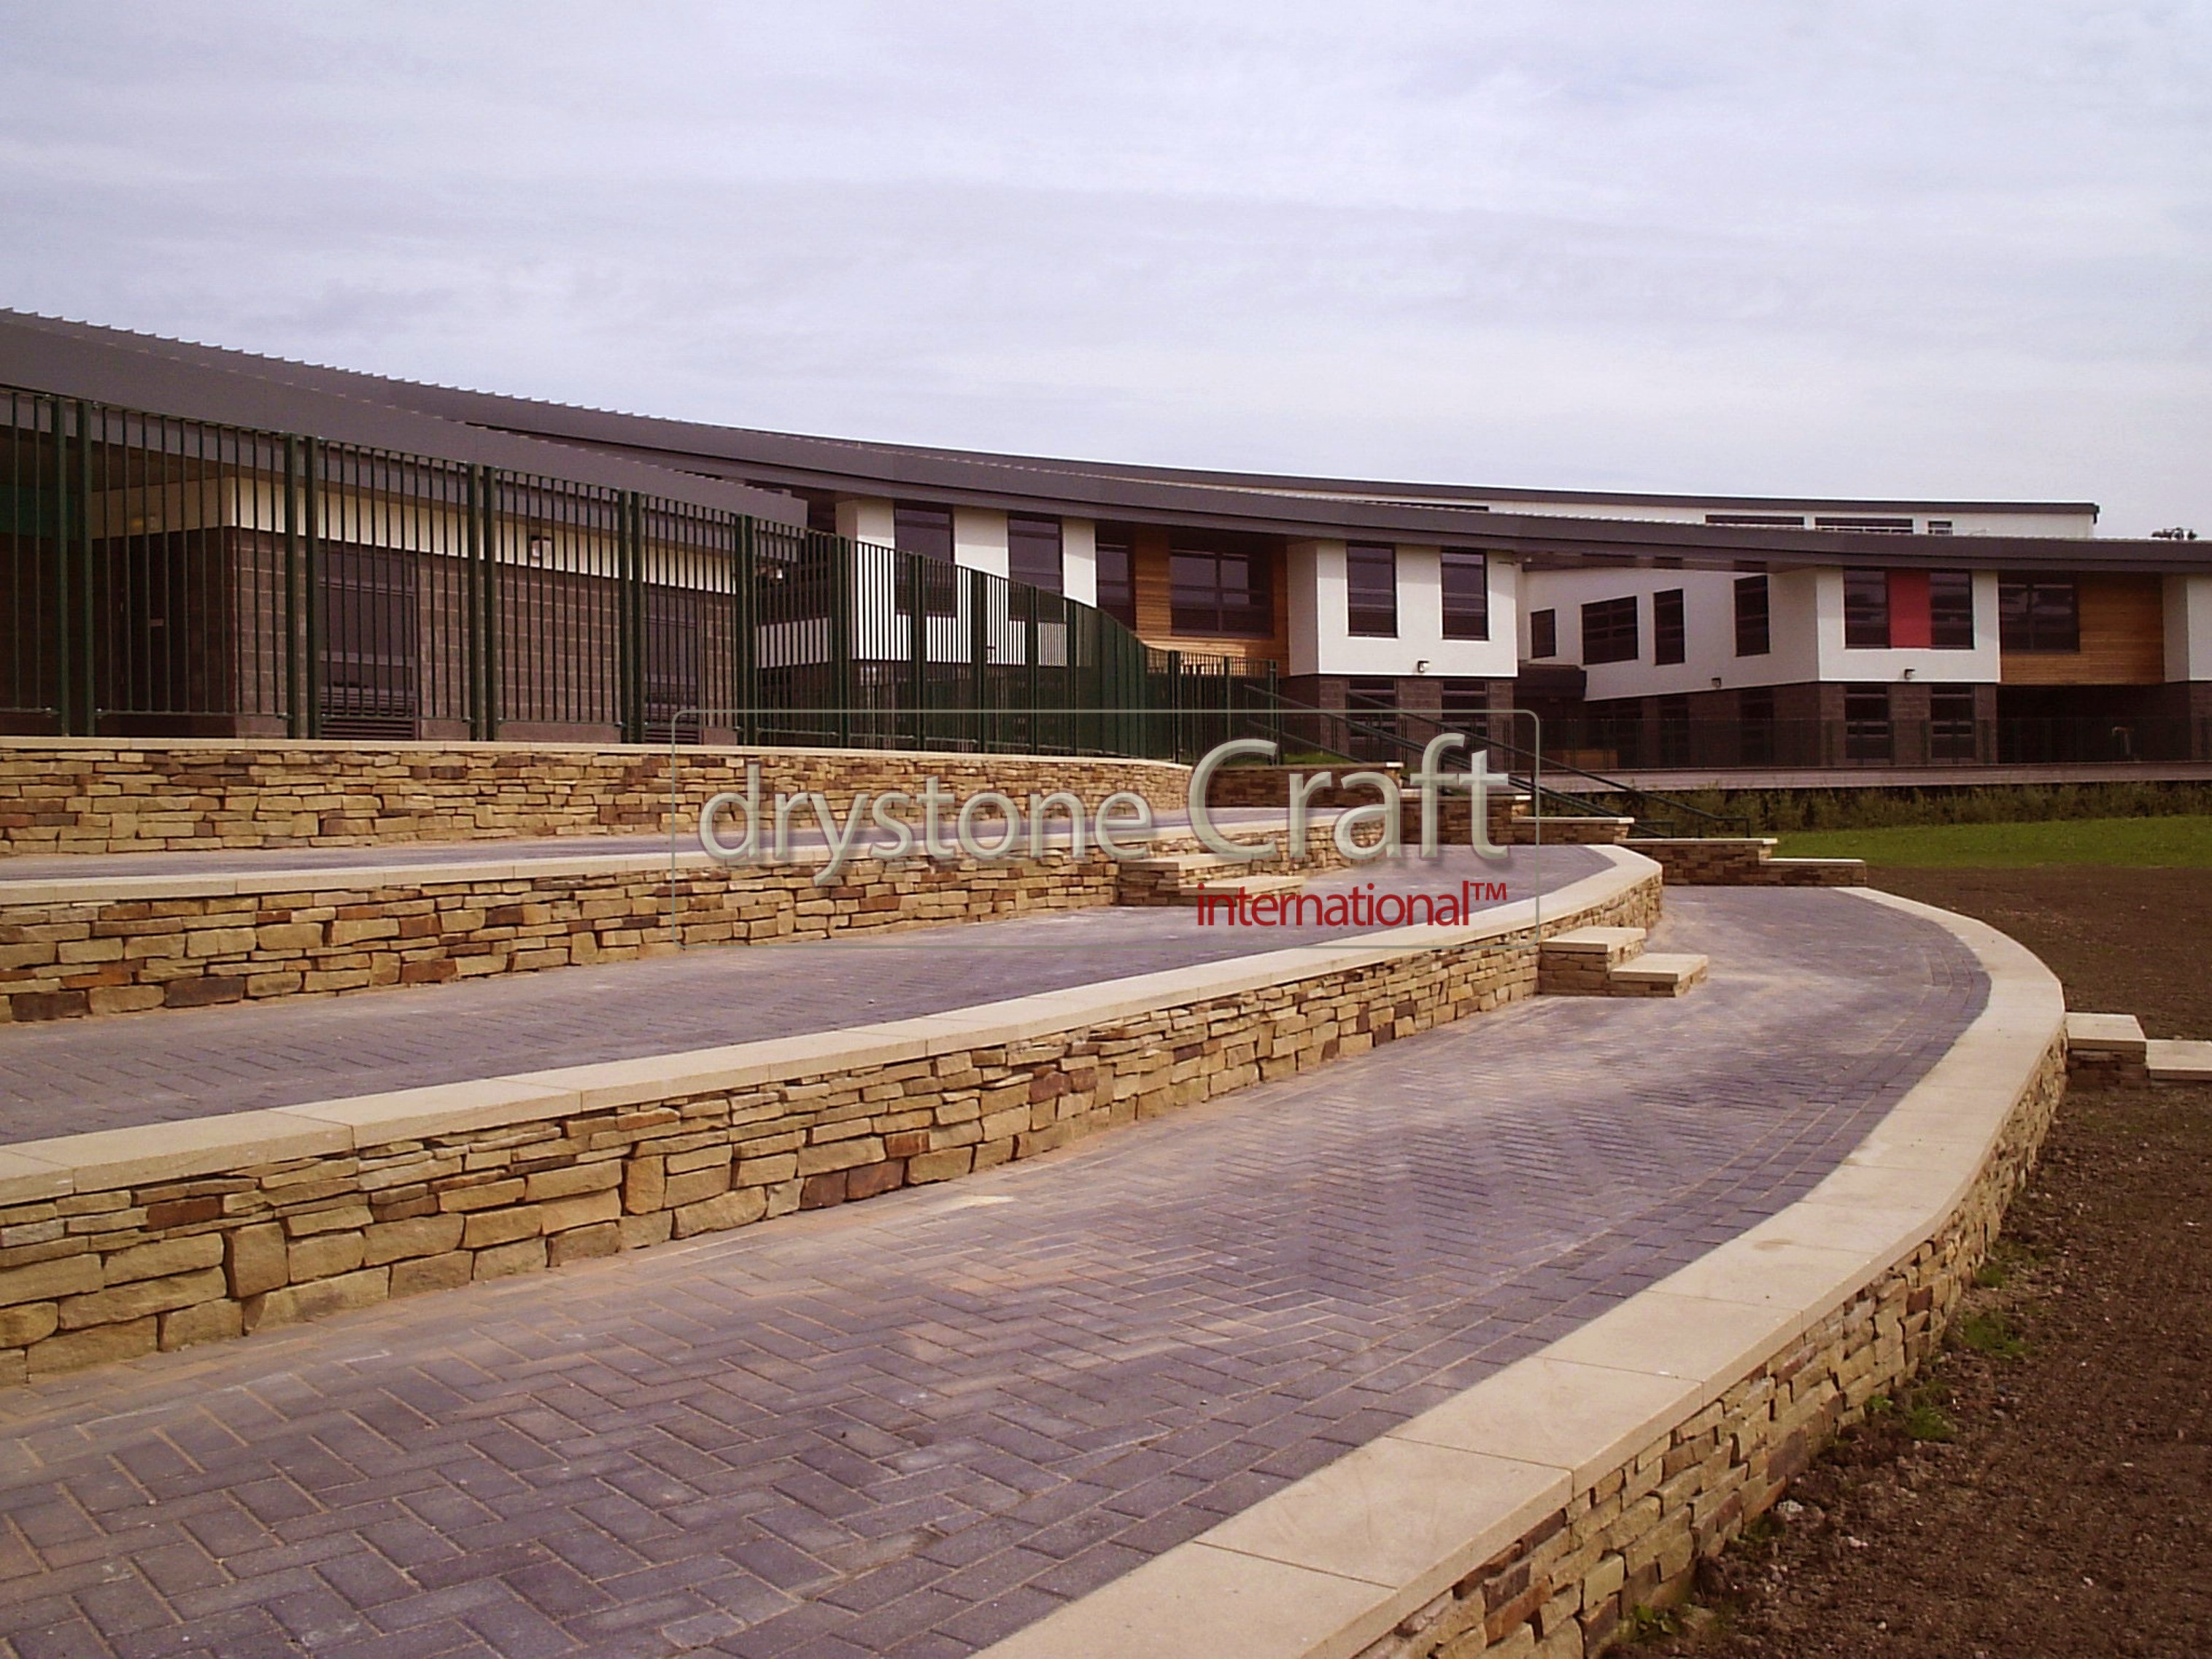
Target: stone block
44, 1281
447, 1272
101, 1345
416, 1236
255, 1258
727, 1210
295, 1303
562, 1215
525, 1255
336, 1218
324, 1256
489, 1228
641, 1231
208, 1321
574, 1179
125, 1302
583, 1243
27, 1323
162, 1257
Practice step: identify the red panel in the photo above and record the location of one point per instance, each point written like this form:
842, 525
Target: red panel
1909, 625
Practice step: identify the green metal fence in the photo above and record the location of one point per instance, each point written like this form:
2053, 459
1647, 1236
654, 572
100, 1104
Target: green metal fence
161, 577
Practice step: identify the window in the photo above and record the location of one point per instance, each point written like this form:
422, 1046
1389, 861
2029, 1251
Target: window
1033, 552
1876, 526
1752, 638
1467, 595
1543, 634
1951, 722
1951, 610
1866, 610
1939, 526
1609, 631
1755, 714
2040, 613
1222, 592
1117, 587
1866, 723
1667, 626
1770, 521
927, 533
1370, 589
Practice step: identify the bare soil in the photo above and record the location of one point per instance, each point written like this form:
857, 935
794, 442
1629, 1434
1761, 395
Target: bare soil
2046, 1487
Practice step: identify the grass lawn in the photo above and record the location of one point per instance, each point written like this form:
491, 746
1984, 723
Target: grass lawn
2171, 843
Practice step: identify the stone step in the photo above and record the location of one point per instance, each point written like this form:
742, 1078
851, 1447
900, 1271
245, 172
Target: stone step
2104, 1048
1580, 961
1657, 976
2171, 1061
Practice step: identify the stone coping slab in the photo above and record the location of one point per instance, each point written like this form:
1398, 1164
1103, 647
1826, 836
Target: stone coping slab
103, 1159
1330, 1565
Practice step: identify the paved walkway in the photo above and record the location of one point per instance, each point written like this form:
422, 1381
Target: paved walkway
71, 1076
909, 1426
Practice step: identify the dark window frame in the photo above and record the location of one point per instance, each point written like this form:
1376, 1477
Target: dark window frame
1669, 627
1866, 610
1035, 530
2031, 619
935, 572
1755, 616
1466, 603
1543, 634
1203, 604
1612, 626
1115, 576
1951, 610
1370, 589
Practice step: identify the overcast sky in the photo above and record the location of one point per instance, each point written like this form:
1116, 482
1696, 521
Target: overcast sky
1760, 247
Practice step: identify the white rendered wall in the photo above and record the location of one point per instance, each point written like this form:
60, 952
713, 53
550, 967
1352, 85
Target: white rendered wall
1321, 641
2189, 627
1976, 666
1962, 523
1079, 560
1805, 633
979, 538
867, 518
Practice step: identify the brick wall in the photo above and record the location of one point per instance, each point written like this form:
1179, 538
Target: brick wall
221, 1238
113, 795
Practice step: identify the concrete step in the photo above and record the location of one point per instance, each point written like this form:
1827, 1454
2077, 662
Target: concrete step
2171, 1061
1669, 974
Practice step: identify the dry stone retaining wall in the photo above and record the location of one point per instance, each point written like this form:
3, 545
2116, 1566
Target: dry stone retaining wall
118, 1243
119, 795
67, 956
1632, 1538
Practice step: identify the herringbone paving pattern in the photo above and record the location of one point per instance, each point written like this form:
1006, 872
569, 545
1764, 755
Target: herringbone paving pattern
908, 1426
71, 1076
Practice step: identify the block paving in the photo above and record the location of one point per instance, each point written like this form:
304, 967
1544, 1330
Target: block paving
911, 1426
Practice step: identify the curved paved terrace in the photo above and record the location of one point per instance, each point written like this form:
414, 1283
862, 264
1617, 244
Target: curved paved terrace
73, 1076
910, 1426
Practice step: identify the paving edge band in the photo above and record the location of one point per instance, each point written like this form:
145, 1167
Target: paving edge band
1523, 1515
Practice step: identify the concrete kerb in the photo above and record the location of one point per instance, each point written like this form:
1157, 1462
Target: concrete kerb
1331, 1566
29, 1170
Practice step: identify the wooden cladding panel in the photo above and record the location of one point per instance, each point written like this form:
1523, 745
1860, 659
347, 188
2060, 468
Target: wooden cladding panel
1150, 575
2123, 639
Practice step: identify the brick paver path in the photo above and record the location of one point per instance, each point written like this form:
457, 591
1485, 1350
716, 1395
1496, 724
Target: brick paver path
71, 1076
908, 1426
